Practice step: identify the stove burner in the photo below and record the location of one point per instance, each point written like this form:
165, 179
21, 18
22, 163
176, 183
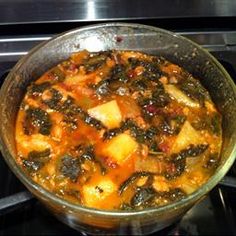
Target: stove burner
11, 203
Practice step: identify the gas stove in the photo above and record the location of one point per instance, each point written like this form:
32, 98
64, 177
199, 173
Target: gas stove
22, 214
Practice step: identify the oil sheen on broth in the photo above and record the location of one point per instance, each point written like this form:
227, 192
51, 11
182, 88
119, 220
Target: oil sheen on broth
118, 130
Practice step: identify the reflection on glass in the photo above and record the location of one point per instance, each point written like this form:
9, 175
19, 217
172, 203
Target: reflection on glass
91, 14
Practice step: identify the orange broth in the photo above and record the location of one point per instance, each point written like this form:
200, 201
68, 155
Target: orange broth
118, 130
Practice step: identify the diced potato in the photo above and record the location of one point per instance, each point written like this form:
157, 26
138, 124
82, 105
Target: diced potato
149, 164
108, 113
120, 148
75, 79
188, 135
189, 183
31, 102
191, 162
177, 94
160, 184
142, 181
188, 187
35, 142
96, 192
51, 169
197, 177
57, 129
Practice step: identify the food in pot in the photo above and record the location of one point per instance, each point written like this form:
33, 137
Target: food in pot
118, 130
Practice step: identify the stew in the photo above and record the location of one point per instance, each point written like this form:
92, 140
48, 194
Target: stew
118, 130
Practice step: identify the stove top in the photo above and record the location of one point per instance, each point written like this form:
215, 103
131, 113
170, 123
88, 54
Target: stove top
21, 214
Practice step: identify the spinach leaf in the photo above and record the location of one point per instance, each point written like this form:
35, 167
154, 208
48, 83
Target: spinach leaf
135, 176
70, 167
36, 160
37, 120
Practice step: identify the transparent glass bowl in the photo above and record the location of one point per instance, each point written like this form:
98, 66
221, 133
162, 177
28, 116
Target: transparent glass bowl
148, 39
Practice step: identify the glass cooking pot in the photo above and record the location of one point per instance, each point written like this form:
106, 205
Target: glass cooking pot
119, 36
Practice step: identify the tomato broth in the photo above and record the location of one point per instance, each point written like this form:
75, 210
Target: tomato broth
118, 130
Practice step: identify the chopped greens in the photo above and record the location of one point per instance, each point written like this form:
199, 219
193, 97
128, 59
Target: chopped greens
143, 197
36, 160
56, 97
211, 123
179, 159
132, 179
57, 74
193, 88
118, 73
36, 89
37, 119
95, 61
70, 167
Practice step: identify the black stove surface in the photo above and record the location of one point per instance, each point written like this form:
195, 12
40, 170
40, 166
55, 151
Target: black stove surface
215, 215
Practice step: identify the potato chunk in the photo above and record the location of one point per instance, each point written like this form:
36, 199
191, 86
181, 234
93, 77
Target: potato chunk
179, 96
98, 191
108, 113
149, 164
188, 135
120, 148
35, 142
